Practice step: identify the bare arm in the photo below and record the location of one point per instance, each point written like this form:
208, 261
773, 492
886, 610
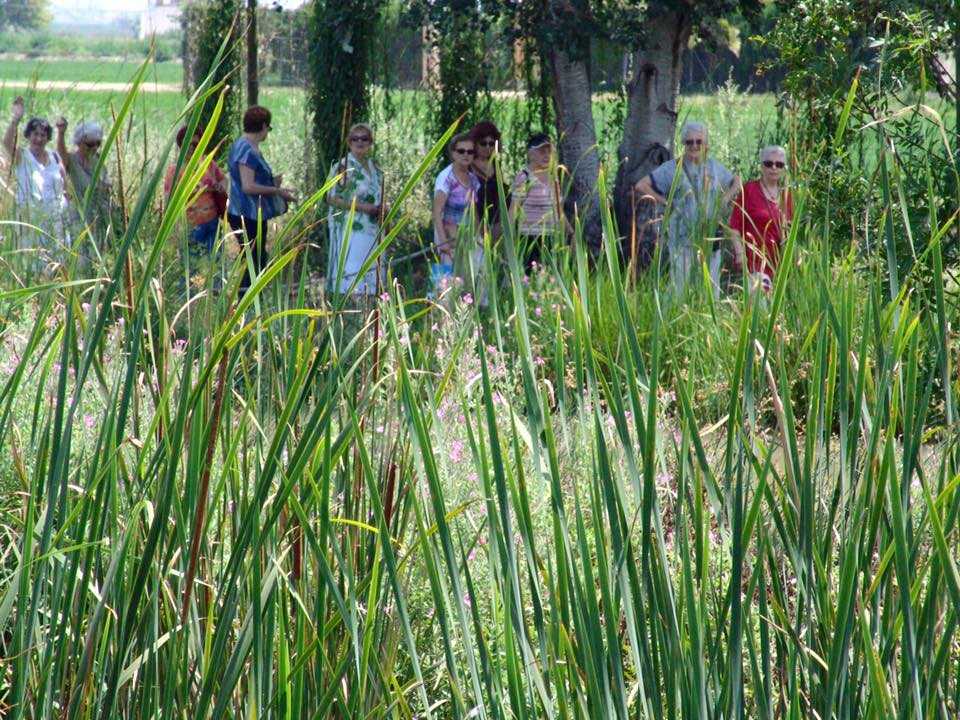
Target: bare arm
645, 188
736, 239
62, 143
514, 209
439, 200
735, 188
10, 136
347, 203
251, 187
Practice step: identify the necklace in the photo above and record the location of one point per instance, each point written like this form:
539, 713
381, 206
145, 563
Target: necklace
773, 198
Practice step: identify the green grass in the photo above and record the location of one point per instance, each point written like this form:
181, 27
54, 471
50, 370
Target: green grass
87, 70
590, 499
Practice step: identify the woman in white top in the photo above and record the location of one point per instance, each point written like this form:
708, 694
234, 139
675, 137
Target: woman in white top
353, 238
41, 181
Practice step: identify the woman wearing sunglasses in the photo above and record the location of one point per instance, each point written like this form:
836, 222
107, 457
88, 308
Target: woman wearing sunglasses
454, 212
761, 216
486, 139
699, 190
356, 210
80, 164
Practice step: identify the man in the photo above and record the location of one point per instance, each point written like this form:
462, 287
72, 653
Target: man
696, 191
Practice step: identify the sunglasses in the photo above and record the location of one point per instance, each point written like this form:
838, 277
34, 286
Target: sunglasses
360, 138
698, 142
779, 165
92, 143
464, 151
487, 143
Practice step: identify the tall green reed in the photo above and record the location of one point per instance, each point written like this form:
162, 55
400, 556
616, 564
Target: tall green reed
577, 513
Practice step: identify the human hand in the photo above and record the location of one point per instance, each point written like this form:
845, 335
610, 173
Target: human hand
18, 109
61, 125
288, 194
278, 180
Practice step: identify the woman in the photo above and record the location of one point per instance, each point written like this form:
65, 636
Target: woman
761, 216
80, 164
454, 212
41, 181
536, 199
699, 189
256, 194
203, 214
353, 239
486, 140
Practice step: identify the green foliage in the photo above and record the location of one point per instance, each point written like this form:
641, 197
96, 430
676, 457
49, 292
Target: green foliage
459, 69
43, 42
881, 59
211, 29
589, 499
341, 36
24, 14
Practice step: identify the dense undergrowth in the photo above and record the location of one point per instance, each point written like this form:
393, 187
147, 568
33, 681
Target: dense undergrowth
588, 498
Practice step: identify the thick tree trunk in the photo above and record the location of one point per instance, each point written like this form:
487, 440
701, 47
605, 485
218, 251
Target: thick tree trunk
578, 140
649, 126
253, 68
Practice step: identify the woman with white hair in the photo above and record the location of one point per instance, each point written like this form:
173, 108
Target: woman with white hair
696, 190
80, 164
761, 216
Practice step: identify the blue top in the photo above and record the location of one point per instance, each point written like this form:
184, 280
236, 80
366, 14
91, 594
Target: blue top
696, 204
241, 204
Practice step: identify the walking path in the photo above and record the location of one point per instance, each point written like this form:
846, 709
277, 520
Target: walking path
90, 86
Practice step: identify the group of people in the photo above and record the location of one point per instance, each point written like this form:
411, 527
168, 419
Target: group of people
700, 201
466, 204
703, 200
249, 195
61, 192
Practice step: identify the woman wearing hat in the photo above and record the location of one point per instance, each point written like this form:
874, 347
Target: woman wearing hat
535, 206
80, 164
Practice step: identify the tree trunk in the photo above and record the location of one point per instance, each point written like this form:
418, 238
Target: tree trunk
649, 127
253, 68
572, 102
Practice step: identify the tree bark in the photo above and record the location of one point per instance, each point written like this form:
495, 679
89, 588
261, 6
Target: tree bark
572, 102
253, 68
649, 127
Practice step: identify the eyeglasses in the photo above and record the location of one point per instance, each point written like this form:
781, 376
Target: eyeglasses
360, 138
778, 164
92, 143
487, 143
465, 151
693, 141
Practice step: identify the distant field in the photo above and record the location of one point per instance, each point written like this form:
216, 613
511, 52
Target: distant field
403, 121
85, 70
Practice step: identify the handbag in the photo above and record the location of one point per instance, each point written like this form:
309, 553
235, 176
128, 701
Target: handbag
278, 202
